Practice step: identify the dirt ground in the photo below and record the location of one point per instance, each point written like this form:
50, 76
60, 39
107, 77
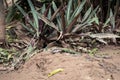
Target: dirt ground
105, 65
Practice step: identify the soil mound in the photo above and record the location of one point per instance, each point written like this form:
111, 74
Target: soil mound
105, 65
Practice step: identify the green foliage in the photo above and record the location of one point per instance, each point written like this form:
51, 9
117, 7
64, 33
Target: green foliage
6, 55
112, 19
87, 20
64, 17
71, 16
93, 51
9, 17
34, 22
35, 17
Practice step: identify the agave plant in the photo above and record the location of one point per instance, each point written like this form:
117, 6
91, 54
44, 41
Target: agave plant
67, 17
61, 19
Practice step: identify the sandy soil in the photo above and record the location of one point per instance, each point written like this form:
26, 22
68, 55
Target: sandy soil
76, 67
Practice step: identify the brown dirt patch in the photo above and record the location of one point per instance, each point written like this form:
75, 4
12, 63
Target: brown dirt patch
76, 67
